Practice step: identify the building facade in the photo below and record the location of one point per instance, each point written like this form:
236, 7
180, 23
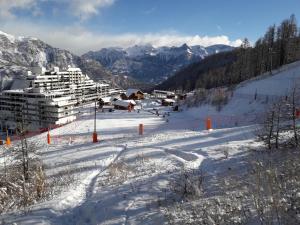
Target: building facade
51, 99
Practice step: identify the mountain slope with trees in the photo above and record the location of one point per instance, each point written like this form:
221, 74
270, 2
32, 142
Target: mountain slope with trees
279, 46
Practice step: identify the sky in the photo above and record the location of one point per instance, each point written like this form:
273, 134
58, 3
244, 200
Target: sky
84, 25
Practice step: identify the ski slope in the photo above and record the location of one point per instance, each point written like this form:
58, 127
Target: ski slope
122, 178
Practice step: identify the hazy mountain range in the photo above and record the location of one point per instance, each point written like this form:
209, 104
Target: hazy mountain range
18, 54
149, 64
126, 67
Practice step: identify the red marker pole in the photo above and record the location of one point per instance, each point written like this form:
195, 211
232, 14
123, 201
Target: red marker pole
141, 129
208, 124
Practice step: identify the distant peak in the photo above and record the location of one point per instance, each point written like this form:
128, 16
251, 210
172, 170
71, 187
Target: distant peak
185, 46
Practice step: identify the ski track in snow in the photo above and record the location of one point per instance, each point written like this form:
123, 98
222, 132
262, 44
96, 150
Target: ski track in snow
164, 148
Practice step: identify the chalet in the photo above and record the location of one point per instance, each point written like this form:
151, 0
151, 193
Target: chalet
167, 102
164, 94
181, 96
124, 104
107, 101
132, 94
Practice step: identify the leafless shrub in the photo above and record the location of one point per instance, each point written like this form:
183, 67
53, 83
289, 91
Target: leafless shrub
16, 192
268, 194
211, 211
275, 189
226, 152
219, 98
188, 183
56, 184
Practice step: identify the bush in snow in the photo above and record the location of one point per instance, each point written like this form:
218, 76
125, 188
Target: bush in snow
267, 193
188, 183
275, 191
279, 128
219, 98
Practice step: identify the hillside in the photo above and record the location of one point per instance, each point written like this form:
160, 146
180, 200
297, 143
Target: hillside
279, 46
201, 74
149, 64
137, 172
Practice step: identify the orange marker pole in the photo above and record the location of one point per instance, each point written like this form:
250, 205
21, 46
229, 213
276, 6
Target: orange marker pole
208, 124
8, 142
141, 129
48, 137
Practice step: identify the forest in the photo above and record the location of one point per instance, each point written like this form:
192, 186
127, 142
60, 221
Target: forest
280, 45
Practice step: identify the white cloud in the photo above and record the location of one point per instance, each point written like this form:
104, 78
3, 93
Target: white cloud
82, 9
6, 6
79, 40
87, 8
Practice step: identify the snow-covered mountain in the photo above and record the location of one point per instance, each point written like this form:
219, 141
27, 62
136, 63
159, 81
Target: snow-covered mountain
150, 64
18, 54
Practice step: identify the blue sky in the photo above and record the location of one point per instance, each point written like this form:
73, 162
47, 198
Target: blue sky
82, 25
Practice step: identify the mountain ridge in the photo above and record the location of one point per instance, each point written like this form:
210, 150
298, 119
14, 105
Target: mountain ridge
18, 54
152, 64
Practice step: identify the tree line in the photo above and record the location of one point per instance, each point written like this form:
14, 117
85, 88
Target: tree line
279, 46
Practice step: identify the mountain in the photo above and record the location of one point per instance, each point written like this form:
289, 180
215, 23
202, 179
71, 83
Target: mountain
212, 71
149, 64
18, 54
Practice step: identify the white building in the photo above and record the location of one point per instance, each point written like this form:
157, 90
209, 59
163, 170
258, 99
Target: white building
51, 98
160, 94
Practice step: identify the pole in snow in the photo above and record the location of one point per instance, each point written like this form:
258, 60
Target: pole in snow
8, 142
95, 136
48, 137
208, 124
141, 129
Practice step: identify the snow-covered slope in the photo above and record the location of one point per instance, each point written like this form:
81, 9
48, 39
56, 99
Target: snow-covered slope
124, 178
242, 107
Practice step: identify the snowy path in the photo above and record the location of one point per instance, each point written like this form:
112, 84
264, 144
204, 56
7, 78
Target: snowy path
123, 178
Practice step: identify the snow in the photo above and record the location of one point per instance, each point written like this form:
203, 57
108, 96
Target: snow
131, 91
124, 103
10, 37
169, 100
121, 178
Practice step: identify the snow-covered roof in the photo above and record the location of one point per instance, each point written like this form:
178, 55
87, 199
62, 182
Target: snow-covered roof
164, 92
169, 100
14, 91
72, 69
131, 91
124, 103
106, 99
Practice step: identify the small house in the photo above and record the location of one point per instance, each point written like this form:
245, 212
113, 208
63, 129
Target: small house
181, 96
124, 104
105, 101
164, 94
132, 94
167, 102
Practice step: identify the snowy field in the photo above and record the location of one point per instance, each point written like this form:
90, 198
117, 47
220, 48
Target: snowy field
121, 179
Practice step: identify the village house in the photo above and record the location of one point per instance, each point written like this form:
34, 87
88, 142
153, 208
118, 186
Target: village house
132, 94
167, 102
159, 94
124, 104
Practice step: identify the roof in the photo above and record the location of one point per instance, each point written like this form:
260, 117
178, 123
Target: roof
169, 100
163, 92
124, 103
106, 99
132, 91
